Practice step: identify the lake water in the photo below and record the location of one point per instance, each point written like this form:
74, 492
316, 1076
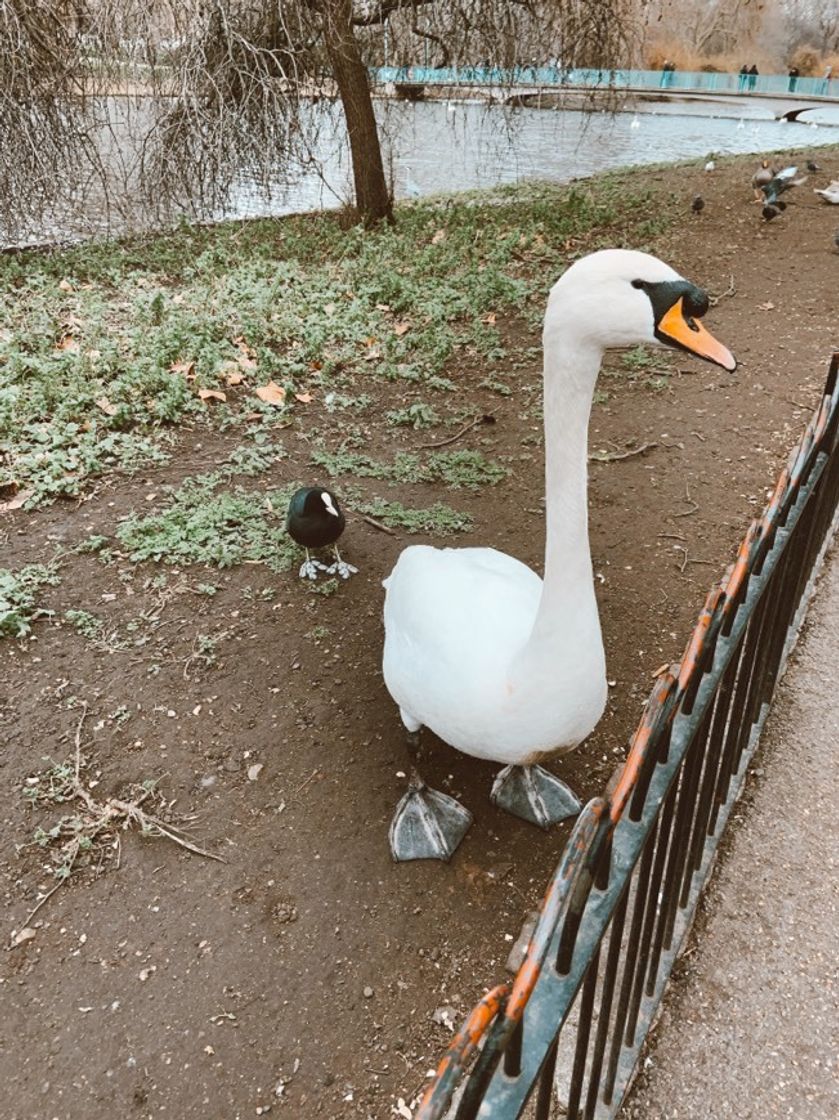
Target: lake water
436, 147
431, 148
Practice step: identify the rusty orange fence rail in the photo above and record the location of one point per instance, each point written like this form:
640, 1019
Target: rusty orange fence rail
564, 1036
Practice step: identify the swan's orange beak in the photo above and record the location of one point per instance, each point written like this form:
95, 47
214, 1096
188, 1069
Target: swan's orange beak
689, 334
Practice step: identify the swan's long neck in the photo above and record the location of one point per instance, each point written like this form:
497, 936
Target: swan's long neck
568, 602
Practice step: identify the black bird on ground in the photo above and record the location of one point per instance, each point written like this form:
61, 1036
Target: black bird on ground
812, 166
772, 210
315, 520
698, 204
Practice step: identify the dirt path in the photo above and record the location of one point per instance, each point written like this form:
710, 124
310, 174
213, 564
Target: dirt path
304, 972
745, 1047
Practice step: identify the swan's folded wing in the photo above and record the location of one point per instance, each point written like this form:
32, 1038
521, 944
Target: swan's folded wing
453, 617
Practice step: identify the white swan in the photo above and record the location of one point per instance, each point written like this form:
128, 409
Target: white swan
497, 662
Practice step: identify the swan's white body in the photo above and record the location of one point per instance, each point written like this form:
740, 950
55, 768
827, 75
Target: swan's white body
498, 663
459, 657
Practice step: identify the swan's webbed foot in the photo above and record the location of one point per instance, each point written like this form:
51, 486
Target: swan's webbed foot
427, 824
534, 794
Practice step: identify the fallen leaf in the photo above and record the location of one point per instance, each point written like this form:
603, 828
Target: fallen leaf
401, 1109
17, 501
490, 319
272, 393
383, 307
22, 936
186, 368
254, 771
304, 398
329, 308
401, 328
439, 236
768, 306
106, 406
67, 342
235, 377
65, 285
247, 355
212, 395
145, 973
372, 354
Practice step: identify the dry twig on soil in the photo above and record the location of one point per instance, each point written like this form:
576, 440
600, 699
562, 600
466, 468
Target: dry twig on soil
484, 418
615, 456
79, 838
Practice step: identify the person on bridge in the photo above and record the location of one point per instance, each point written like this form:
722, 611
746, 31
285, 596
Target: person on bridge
826, 79
753, 72
793, 78
744, 78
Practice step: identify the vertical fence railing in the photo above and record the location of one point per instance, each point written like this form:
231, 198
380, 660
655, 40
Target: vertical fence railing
566, 1032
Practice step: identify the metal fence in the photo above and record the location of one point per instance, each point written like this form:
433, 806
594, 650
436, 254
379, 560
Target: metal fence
547, 77
565, 1034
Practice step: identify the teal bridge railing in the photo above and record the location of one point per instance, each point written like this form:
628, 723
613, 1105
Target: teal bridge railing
547, 77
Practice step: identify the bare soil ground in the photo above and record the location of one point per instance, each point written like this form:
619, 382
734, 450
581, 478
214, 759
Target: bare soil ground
302, 974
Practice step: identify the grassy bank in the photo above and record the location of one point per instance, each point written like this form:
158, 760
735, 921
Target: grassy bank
119, 355
106, 349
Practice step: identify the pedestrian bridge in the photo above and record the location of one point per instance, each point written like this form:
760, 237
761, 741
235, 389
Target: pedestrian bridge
524, 80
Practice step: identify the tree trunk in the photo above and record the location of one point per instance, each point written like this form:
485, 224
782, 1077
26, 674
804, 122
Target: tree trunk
372, 197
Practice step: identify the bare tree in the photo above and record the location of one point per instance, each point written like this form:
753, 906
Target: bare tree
813, 22
715, 27
230, 88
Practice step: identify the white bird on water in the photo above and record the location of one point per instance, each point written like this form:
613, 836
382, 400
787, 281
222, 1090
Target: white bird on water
499, 663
